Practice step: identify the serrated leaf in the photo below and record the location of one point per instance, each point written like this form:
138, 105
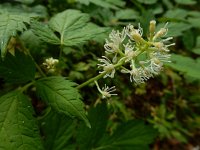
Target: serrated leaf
17, 69
186, 65
44, 32
68, 21
18, 127
88, 138
130, 135
57, 130
81, 35
71, 25
10, 24
23, 10
62, 96
32, 42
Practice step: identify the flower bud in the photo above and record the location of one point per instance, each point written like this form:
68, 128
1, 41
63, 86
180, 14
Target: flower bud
158, 45
160, 33
152, 27
137, 37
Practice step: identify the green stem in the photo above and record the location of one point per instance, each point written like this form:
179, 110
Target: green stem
22, 89
28, 52
91, 80
98, 76
37, 66
61, 51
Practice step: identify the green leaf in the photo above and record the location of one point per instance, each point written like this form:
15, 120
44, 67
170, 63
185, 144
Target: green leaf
25, 1
127, 14
176, 13
32, 42
62, 96
44, 32
186, 2
18, 127
147, 1
88, 138
196, 50
71, 25
81, 35
186, 65
57, 130
103, 3
173, 26
10, 24
194, 22
188, 39
17, 69
130, 135
86, 2
68, 21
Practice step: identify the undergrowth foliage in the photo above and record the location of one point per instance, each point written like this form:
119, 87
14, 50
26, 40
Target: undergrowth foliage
47, 74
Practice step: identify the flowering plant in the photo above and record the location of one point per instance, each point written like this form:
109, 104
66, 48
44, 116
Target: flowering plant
124, 49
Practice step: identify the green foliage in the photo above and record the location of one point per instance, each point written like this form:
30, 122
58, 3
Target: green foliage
12, 73
89, 137
73, 33
57, 130
62, 96
133, 134
186, 65
18, 127
9, 25
72, 26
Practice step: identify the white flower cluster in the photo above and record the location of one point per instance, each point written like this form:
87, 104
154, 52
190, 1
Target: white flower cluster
139, 57
50, 64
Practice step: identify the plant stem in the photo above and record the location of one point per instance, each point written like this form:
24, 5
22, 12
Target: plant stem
22, 89
91, 80
28, 52
37, 66
98, 76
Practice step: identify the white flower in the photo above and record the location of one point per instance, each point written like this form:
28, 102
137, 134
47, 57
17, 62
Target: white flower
155, 66
50, 64
135, 75
162, 46
107, 66
134, 34
129, 52
106, 91
162, 32
163, 57
116, 38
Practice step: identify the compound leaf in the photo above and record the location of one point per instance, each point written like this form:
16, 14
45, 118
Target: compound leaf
17, 69
18, 127
61, 95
